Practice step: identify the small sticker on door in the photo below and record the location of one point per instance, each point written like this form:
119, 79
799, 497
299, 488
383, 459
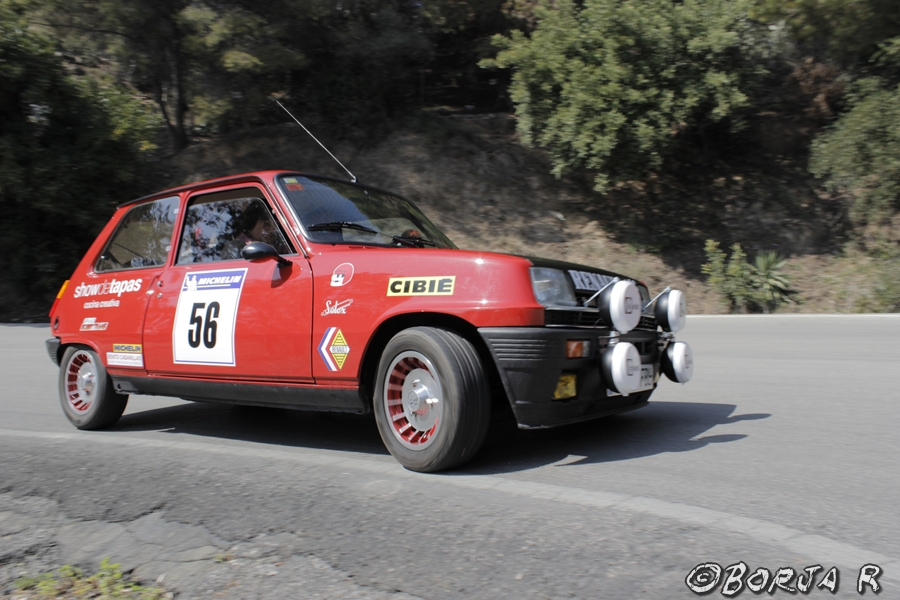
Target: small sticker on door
334, 349
342, 275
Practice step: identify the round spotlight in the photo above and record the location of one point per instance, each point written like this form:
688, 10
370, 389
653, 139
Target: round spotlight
671, 311
620, 306
622, 368
678, 362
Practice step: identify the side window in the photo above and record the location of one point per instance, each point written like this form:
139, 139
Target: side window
218, 226
142, 239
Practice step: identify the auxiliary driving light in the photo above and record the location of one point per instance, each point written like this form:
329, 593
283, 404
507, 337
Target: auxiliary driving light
678, 362
621, 365
620, 305
671, 311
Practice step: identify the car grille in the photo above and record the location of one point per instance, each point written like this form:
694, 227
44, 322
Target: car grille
524, 349
577, 318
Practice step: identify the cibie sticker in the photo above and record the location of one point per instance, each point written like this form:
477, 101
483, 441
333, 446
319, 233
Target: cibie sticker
421, 286
342, 275
334, 349
91, 324
205, 317
336, 307
126, 355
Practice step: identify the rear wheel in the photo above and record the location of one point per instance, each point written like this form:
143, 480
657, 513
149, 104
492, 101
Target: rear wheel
432, 400
86, 392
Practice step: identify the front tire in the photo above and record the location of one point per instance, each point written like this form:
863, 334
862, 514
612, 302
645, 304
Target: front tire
86, 392
432, 400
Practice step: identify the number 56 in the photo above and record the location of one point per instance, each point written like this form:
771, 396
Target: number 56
200, 331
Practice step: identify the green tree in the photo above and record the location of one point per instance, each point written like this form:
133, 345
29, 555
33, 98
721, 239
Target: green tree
205, 64
849, 30
616, 86
68, 155
859, 156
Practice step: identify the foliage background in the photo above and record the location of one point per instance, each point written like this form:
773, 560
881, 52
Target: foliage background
769, 123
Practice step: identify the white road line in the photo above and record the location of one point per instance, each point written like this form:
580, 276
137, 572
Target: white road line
822, 549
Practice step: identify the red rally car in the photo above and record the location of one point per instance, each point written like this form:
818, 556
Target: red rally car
291, 290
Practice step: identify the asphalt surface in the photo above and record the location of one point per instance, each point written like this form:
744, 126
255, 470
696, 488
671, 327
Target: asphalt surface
782, 453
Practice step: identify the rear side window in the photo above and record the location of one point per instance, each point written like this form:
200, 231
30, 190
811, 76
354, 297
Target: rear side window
143, 238
217, 226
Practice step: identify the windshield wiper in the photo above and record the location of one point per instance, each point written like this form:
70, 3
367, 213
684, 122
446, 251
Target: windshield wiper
412, 241
338, 225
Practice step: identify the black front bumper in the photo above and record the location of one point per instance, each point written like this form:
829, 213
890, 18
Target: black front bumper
530, 361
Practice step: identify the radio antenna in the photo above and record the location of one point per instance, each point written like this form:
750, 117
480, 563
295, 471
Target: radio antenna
352, 176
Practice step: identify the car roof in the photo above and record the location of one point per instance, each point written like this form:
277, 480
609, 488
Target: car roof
263, 176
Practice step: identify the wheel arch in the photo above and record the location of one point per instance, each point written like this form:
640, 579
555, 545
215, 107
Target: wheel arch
65, 345
390, 327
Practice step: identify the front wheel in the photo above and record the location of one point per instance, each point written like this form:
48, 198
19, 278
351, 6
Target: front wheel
432, 401
86, 392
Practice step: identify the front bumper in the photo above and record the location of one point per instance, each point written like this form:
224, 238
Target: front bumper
530, 361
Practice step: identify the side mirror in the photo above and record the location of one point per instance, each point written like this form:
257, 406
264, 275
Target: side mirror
260, 251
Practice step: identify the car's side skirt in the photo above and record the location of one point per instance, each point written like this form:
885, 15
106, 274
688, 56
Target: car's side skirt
279, 396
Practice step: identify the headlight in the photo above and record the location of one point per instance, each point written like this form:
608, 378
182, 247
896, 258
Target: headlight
552, 287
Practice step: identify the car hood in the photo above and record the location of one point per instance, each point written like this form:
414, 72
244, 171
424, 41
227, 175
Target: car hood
567, 266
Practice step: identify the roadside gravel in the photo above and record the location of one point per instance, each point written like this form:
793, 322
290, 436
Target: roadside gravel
187, 560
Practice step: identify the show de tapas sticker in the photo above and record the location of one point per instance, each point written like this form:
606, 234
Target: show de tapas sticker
421, 286
334, 349
126, 355
91, 324
342, 275
336, 307
205, 317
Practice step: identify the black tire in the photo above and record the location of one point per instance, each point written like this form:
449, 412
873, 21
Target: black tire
432, 383
86, 392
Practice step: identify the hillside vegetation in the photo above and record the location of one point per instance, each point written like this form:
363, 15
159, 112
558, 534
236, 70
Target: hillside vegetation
747, 151
487, 191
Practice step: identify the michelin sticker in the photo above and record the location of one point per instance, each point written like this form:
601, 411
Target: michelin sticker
125, 355
334, 349
205, 317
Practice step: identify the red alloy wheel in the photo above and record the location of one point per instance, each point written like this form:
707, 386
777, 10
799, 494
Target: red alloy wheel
81, 381
413, 400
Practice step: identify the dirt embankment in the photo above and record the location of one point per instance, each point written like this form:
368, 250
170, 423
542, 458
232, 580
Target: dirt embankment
487, 191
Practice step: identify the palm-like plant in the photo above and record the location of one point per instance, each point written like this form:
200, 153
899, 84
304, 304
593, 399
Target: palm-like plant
771, 284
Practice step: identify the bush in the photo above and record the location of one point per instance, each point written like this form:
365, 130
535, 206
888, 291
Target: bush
859, 156
614, 86
758, 287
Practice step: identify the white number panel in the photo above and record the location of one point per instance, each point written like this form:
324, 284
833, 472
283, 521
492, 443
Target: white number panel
203, 333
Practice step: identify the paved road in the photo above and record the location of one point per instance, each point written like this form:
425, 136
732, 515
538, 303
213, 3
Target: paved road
782, 452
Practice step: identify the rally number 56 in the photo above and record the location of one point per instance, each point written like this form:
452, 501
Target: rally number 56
203, 329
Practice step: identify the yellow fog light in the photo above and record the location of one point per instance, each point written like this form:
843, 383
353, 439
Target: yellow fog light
565, 387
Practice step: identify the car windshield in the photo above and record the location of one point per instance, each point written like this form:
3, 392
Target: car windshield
338, 212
